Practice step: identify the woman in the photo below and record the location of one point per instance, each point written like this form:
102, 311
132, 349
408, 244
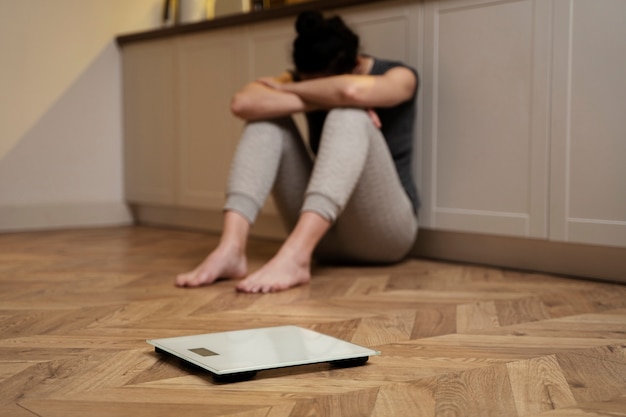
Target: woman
354, 200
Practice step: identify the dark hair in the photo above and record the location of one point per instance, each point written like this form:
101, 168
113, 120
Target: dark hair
324, 46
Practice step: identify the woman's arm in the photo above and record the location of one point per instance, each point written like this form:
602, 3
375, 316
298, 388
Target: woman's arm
275, 97
366, 91
262, 100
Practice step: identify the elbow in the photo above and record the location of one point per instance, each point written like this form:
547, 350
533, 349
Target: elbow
352, 96
239, 105
248, 106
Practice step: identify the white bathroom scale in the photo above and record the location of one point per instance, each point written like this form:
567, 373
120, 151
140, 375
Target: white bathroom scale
238, 355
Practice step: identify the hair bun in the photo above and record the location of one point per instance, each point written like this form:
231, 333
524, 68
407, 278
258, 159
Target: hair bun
324, 46
310, 22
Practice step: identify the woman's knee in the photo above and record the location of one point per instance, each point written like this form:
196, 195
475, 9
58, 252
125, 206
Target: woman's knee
270, 126
350, 115
275, 133
347, 128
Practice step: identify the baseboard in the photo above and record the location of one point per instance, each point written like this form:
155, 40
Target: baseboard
267, 226
605, 263
64, 215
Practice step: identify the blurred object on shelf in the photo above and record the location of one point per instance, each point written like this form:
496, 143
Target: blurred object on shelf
270, 4
171, 13
218, 8
193, 10
257, 5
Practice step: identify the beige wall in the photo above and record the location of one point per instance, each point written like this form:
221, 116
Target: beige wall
60, 110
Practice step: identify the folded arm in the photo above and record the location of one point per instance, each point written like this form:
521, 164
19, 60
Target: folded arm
276, 97
350, 90
259, 100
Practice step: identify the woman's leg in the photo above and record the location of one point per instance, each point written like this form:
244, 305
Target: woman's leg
376, 221
354, 183
270, 155
262, 152
291, 266
228, 260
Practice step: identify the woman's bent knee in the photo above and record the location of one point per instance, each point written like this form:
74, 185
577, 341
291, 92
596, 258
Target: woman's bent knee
347, 115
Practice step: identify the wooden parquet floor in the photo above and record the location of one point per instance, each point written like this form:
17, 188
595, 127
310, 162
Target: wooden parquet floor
77, 306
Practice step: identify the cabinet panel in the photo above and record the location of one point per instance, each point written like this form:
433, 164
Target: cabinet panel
150, 127
589, 128
487, 68
269, 46
210, 73
385, 32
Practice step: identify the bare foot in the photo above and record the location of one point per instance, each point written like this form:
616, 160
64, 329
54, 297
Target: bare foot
224, 262
283, 271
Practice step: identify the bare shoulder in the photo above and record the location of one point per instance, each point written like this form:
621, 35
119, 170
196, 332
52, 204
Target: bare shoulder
403, 76
395, 86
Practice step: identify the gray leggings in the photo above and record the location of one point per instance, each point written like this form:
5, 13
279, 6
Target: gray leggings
351, 182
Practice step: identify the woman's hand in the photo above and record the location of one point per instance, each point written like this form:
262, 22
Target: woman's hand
265, 99
275, 84
374, 117
270, 82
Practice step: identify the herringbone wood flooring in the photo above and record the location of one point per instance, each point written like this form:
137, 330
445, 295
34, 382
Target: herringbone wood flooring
456, 340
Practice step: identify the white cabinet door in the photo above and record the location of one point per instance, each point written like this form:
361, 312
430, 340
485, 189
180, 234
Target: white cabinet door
150, 129
388, 30
589, 123
485, 151
211, 69
269, 48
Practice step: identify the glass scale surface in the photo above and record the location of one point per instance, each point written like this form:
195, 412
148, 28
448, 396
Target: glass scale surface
240, 354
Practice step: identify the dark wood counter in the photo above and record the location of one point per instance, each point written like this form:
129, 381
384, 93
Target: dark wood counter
239, 19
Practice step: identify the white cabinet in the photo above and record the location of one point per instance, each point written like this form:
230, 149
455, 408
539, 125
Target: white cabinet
150, 122
486, 70
524, 133
179, 132
211, 70
588, 171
